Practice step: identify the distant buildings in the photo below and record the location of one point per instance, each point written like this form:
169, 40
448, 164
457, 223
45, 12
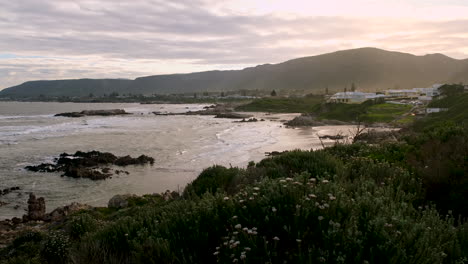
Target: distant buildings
422, 94
435, 110
353, 97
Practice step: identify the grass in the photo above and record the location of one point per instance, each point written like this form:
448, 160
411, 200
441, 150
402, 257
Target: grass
282, 105
368, 112
383, 113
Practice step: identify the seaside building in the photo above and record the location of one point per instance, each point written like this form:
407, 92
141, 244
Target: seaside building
353, 97
422, 94
435, 110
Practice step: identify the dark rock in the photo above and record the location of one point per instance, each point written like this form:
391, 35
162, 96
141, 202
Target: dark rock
248, 120
110, 112
60, 213
36, 207
127, 160
44, 167
84, 164
335, 137
275, 153
119, 201
16, 220
82, 172
232, 115
310, 120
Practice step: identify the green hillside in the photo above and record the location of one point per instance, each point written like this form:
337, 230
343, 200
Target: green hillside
368, 68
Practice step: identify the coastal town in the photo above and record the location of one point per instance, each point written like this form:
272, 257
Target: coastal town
418, 97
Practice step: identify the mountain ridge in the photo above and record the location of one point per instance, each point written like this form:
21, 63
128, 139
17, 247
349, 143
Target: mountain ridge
369, 68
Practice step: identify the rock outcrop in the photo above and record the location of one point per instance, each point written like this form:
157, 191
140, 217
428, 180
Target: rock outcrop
36, 208
119, 201
60, 213
233, 115
110, 112
85, 164
310, 120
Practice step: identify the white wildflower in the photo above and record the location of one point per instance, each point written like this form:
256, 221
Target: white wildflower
276, 238
238, 226
320, 218
273, 209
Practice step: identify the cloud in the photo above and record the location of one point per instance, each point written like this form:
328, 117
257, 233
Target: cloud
44, 39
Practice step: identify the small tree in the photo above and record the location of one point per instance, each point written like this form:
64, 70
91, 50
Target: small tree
326, 90
273, 93
345, 89
353, 87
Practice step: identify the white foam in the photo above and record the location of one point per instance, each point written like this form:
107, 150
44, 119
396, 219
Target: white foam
6, 117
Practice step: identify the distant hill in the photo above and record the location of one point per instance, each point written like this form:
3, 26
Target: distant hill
368, 68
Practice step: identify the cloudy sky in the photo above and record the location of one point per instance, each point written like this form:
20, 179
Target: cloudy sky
59, 39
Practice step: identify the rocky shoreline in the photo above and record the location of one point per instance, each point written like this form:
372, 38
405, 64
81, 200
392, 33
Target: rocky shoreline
89, 164
36, 218
111, 112
218, 111
309, 120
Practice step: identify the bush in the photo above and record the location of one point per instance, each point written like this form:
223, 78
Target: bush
289, 163
212, 179
56, 248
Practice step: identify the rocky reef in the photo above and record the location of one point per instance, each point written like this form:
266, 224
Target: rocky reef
110, 112
87, 164
309, 120
218, 110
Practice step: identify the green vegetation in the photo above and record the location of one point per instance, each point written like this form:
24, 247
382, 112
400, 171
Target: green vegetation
282, 105
368, 111
457, 113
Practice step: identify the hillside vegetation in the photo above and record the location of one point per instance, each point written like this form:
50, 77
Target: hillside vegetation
369, 68
282, 105
456, 101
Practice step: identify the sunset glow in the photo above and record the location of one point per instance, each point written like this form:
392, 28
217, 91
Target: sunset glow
125, 39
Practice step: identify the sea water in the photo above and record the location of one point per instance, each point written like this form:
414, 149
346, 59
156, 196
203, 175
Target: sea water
181, 145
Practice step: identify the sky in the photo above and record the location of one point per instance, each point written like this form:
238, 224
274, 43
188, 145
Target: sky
64, 39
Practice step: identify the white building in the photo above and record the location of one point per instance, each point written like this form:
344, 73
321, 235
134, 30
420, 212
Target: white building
411, 93
354, 97
423, 94
435, 110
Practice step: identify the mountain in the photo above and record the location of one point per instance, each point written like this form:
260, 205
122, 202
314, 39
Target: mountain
369, 68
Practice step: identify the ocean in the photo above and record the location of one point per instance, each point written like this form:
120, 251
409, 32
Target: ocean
182, 147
